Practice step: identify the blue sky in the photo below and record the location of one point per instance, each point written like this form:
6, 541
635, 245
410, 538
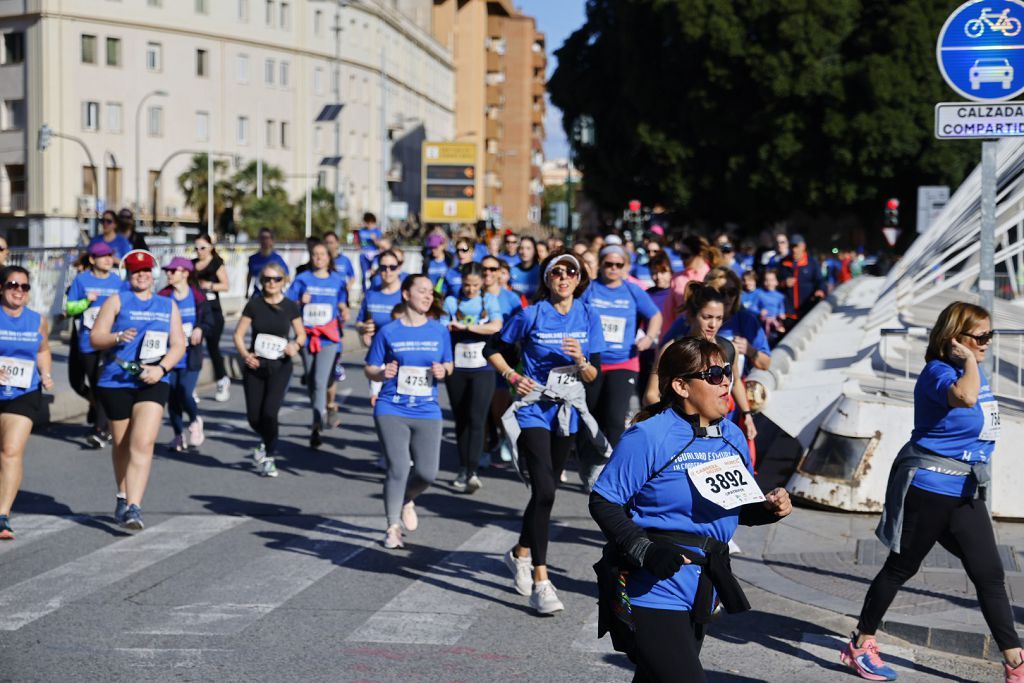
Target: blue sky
556, 19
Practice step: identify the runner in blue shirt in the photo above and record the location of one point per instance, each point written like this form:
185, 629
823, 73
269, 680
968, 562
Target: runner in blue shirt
560, 345
669, 502
25, 367
378, 305
741, 327
526, 274
118, 244
452, 281
496, 277
937, 490
343, 267
511, 253
367, 237
259, 260
409, 356
437, 260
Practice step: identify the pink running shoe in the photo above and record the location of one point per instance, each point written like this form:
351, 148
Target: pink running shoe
867, 661
1015, 675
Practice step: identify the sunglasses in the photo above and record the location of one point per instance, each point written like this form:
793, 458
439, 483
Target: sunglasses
983, 338
24, 286
714, 375
108, 221
200, 247
463, 250
613, 265
271, 278
559, 271
390, 268
491, 270
511, 241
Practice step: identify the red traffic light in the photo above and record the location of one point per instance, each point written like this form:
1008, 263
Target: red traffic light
634, 205
892, 204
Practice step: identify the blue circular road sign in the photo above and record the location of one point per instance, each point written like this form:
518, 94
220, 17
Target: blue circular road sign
981, 50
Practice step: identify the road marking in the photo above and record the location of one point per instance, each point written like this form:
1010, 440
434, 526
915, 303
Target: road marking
227, 608
31, 528
149, 657
34, 598
441, 607
826, 646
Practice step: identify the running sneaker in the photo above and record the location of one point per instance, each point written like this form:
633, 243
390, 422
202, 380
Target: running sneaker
1014, 674
195, 397
6, 532
505, 452
259, 453
133, 518
95, 439
223, 390
409, 518
544, 599
314, 439
195, 433
178, 443
393, 537
473, 484
267, 467
522, 572
120, 508
459, 483
866, 660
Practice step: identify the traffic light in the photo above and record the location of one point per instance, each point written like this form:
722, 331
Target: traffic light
892, 214
45, 133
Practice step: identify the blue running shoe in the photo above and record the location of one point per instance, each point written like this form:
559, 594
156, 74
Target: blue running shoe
6, 532
866, 660
120, 509
133, 518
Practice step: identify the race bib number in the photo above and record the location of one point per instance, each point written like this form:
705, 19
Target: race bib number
19, 372
563, 376
210, 295
315, 315
414, 381
89, 317
269, 346
470, 355
614, 329
186, 329
726, 482
990, 431
153, 346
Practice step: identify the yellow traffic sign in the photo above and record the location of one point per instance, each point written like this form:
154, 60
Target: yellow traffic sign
449, 182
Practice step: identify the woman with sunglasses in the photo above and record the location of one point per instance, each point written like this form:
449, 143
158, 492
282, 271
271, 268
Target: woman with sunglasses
450, 284
86, 295
196, 321
511, 253
323, 294
409, 356
526, 273
267, 359
560, 344
25, 366
375, 310
212, 276
937, 490
669, 521
110, 236
143, 335
496, 278
471, 317
622, 308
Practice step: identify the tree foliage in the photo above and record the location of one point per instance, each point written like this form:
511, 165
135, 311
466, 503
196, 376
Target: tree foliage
193, 183
754, 111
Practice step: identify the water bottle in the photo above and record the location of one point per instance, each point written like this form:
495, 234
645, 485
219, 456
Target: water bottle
133, 368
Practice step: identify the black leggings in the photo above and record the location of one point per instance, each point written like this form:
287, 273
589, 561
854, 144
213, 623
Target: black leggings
544, 454
608, 399
961, 526
470, 394
91, 365
264, 393
667, 646
213, 342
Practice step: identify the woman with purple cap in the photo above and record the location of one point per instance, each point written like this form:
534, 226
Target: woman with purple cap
437, 260
86, 295
196, 323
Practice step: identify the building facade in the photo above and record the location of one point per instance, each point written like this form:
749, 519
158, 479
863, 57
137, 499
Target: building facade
143, 84
500, 64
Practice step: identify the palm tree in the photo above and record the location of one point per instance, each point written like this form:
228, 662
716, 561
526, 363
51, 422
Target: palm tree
244, 182
193, 184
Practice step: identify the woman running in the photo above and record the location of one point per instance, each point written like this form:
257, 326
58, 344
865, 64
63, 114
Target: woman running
375, 311
25, 366
621, 307
451, 282
560, 344
525, 275
322, 294
196, 321
144, 336
409, 356
212, 276
267, 359
669, 528
472, 317
86, 295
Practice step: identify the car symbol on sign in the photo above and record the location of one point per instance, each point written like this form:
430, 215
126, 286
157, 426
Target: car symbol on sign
991, 71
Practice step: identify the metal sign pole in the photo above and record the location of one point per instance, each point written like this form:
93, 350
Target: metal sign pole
987, 268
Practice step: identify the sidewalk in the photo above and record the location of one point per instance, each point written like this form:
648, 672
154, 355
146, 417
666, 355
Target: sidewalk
829, 559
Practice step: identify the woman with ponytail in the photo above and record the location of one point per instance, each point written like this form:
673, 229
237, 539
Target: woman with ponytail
669, 501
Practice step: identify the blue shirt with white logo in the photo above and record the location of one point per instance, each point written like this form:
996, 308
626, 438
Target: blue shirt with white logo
413, 392
19, 340
525, 281
327, 291
86, 283
378, 306
618, 309
151, 315
120, 245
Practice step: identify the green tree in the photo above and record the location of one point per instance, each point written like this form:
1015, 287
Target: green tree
323, 211
270, 211
193, 183
245, 180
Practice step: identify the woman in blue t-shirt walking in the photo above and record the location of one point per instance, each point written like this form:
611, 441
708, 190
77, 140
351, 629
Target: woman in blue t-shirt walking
937, 490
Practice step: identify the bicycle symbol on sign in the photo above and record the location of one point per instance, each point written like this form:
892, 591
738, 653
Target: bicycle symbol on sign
1002, 22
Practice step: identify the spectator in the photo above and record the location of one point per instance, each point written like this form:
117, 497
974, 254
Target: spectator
729, 258
773, 259
259, 260
126, 227
368, 237
801, 275
749, 297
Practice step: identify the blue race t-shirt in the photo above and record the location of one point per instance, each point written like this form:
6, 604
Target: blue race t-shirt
950, 432
751, 301
326, 294
88, 283
670, 501
480, 252
468, 347
451, 283
187, 310
747, 325
152, 322
525, 281
510, 303
618, 309
436, 269
675, 260
19, 346
512, 260
413, 392
378, 306
343, 267
539, 330
120, 245
772, 302
257, 262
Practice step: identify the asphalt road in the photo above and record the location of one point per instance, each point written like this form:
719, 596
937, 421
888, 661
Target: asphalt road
241, 578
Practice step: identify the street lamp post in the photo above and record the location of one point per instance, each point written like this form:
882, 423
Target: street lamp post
138, 163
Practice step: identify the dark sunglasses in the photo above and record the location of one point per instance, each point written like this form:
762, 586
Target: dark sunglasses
982, 339
491, 270
24, 286
463, 250
569, 271
271, 278
202, 247
108, 221
390, 268
613, 265
714, 375
511, 241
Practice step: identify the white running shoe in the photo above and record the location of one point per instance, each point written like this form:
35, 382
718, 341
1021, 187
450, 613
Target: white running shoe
409, 518
223, 390
195, 433
544, 599
473, 484
267, 467
177, 444
259, 453
393, 537
522, 572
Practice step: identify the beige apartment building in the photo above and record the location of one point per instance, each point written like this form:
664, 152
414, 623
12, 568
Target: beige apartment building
500, 64
144, 83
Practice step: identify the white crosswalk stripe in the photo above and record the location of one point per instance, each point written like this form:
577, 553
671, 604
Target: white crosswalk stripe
40, 595
31, 528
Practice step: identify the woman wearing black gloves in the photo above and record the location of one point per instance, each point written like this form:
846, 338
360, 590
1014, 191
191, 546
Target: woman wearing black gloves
669, 501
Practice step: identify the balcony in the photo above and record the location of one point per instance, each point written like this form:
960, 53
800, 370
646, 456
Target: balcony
492, 130
537, 90
537, 117
540, 60
494, 61
495, 97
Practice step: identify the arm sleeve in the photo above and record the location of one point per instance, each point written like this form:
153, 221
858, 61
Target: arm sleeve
618, 527
76, 307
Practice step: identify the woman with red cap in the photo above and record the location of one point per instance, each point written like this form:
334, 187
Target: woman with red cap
144, 336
